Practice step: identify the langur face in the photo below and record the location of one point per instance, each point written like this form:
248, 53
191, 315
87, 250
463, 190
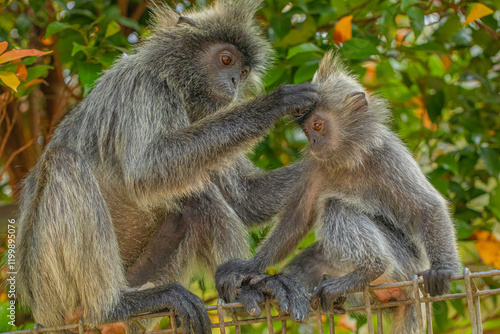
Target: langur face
227, 71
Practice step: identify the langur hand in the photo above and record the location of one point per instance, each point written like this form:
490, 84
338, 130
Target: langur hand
437, 280
186, 305
293, 99
236, 282
328, 297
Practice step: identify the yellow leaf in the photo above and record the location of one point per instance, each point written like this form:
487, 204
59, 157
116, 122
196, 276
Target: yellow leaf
3, 47
10, 79
343, 30
476, 11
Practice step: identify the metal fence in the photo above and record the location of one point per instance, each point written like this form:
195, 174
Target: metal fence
372, 307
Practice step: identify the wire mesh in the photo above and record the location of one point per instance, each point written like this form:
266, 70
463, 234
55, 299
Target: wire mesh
371, 307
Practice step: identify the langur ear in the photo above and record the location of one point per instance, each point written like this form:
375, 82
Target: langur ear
184, 19
358, 100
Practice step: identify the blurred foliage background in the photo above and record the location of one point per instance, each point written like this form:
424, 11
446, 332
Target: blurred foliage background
437, 62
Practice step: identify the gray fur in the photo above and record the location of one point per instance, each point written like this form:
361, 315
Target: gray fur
138, 180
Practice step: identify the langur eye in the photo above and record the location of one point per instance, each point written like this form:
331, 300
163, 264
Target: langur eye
305, 132
226, 60
318, 126
244, 72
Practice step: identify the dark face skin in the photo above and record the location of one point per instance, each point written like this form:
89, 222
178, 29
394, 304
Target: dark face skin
319, 129
226, 71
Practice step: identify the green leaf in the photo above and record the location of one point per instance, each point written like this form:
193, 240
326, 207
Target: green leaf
436, 66
108, 58
302, 33
37, 72
77, 48
464, 230
88, 74
56, 27
274, 75
449, 28
435, 105
305, 73
440, 315
112, 28
302, 48
458, 305
405, 4
357, 48
448, 162
494, 202
438, 180
491, 160
388, 25
416, 16
127, 22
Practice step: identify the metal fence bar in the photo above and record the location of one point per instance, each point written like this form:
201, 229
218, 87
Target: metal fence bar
331, 324
318, 320
418, 305
368, 308
220, 315
173, 322
270, 328
470, 302
428, 314
380, 324
477, 307
472, 295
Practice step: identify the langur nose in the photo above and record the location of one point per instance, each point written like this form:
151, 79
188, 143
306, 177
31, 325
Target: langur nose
234, 81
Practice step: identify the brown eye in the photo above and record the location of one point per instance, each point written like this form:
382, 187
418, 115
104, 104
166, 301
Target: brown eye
244, 72
318, 126
226, 60
305, 132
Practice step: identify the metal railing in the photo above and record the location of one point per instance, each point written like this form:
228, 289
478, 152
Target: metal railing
372, 307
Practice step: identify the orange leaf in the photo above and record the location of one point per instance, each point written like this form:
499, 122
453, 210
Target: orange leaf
10, 79
343, 30
33, 82
476, 11
17, 54
446, 60
22, 72
421, 112
488, 247
3, 47
371, 72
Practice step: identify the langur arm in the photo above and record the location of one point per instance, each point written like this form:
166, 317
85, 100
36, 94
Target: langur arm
242, 280
435, 224
176, 163
257, 196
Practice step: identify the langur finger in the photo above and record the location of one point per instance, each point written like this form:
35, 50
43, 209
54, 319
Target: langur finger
339, 311
433, 283
426, 282
276, 290
315, 300
257, 279
251, 298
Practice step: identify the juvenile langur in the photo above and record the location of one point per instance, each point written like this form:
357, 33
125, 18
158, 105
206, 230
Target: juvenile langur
380, 220
148, 173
